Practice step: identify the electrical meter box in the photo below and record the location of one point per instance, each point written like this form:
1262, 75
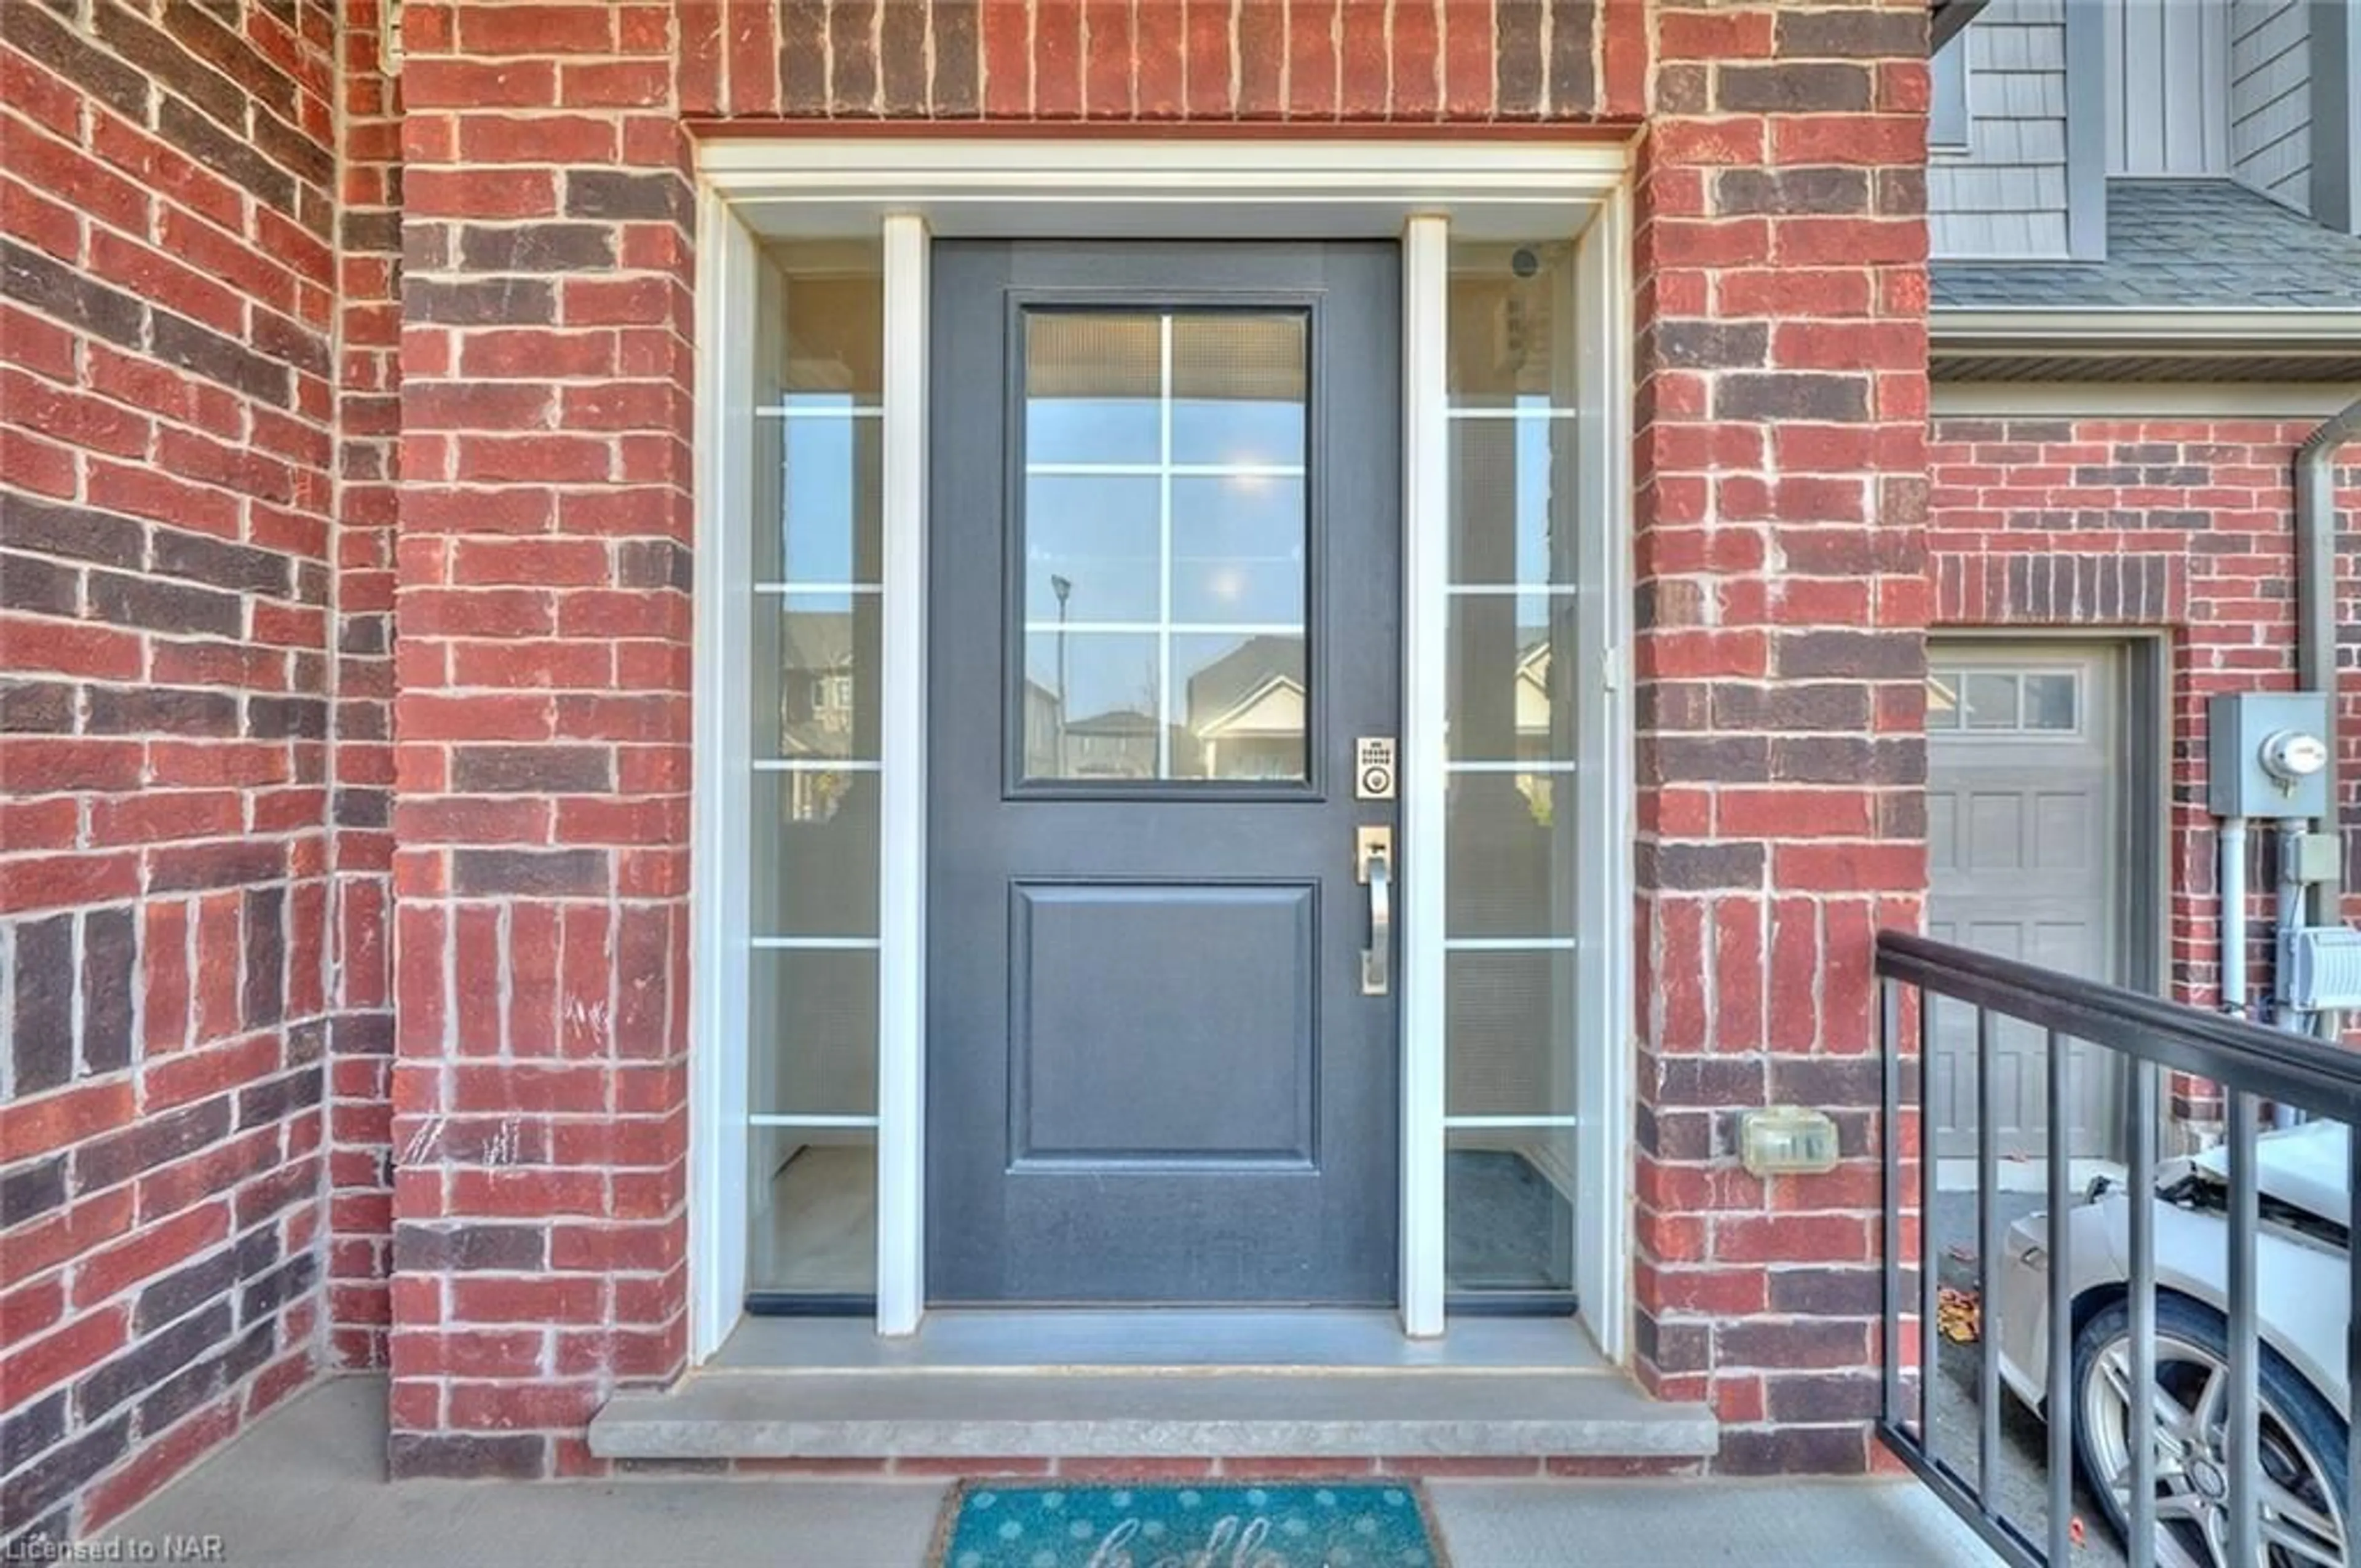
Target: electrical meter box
2267, 754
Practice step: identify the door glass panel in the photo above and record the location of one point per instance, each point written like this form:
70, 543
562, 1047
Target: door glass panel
1508, 696
1511, 324
1091, 703
818, 430
1991, 700
2049, 701
1094, 550
813, 1034
1164, 530
1238, 390
815, 853
813, 1211
1241, 707
835, 309
1507, 1012
1093, 386
1507, 1210
823, 651
1512, 494
1238, 550
1942, 699
831, 466
1510, 856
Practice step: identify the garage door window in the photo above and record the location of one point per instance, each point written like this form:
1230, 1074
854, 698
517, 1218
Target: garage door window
2004, 702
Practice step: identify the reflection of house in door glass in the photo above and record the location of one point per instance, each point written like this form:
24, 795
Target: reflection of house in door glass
1246, 711
1164, 526
816, 687
1536, 713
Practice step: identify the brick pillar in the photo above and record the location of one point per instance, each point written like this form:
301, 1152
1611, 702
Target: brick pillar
1781, 603
368, 418
542, 727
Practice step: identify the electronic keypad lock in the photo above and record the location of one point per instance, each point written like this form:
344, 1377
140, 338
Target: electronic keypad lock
1373, 768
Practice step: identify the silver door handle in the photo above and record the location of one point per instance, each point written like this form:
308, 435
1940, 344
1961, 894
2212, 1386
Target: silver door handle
1377, 869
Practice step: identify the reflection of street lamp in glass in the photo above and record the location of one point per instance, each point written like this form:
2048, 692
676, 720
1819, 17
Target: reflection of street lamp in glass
1063, 588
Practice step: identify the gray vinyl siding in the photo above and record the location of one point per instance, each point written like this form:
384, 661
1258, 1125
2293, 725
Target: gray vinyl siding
2270, 98
2168, 86
2006, 193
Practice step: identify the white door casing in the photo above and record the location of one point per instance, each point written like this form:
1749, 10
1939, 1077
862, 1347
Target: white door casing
907, 191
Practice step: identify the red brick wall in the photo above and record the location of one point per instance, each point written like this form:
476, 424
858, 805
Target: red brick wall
167, 467
1148, 60
509, 1085
369, 424
1779, 544
2180, 524
542, 661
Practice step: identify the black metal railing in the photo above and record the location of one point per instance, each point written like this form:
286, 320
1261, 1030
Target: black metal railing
2250, 1066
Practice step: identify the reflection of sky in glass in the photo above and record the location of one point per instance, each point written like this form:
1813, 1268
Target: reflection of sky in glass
1106, 671
1533, 494
1091, 430
1099, 532
1231, 432
1237, 539
817, 530
1237, 545
1237, 431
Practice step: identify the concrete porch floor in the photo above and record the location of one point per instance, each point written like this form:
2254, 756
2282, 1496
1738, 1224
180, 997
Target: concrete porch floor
304, 1487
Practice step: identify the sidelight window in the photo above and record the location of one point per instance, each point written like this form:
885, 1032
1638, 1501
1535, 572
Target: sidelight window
1508, 713
814, 843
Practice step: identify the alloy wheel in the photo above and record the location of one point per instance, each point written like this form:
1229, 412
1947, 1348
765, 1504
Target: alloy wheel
2191, 1399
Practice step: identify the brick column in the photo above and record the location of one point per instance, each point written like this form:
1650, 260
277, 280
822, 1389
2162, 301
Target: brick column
542, 727
1782, 602
368, 419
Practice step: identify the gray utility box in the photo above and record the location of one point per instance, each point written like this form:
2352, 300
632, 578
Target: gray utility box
2256, 748
2323, 971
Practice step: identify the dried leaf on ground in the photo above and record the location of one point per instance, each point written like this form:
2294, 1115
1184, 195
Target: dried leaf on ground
1959, 1315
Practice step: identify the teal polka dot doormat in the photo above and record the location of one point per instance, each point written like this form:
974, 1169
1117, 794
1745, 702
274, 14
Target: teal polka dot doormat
1204, 1524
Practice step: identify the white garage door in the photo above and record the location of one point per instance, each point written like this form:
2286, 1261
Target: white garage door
2026, 803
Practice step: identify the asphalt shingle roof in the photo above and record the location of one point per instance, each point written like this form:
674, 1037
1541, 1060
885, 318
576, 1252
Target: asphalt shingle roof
2186, 244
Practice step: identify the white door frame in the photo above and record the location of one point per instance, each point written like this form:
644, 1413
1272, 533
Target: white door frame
905, 190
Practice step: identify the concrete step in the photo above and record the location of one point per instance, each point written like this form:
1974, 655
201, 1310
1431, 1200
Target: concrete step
1148, 1412
1283, 1340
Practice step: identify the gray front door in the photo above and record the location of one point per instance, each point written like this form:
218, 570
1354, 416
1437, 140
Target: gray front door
1164, 586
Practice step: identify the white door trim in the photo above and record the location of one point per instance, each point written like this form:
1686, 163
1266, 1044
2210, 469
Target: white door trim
902, 822
1607, 823
1111, 187
910, 189
718, 1157
1426, 568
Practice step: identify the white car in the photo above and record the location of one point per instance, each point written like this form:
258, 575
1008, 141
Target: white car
2302, 1294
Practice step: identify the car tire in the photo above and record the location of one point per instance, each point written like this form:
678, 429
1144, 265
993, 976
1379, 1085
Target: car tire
2301, 1431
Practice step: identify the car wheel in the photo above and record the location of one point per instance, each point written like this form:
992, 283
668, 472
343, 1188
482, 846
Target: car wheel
2303, 1441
